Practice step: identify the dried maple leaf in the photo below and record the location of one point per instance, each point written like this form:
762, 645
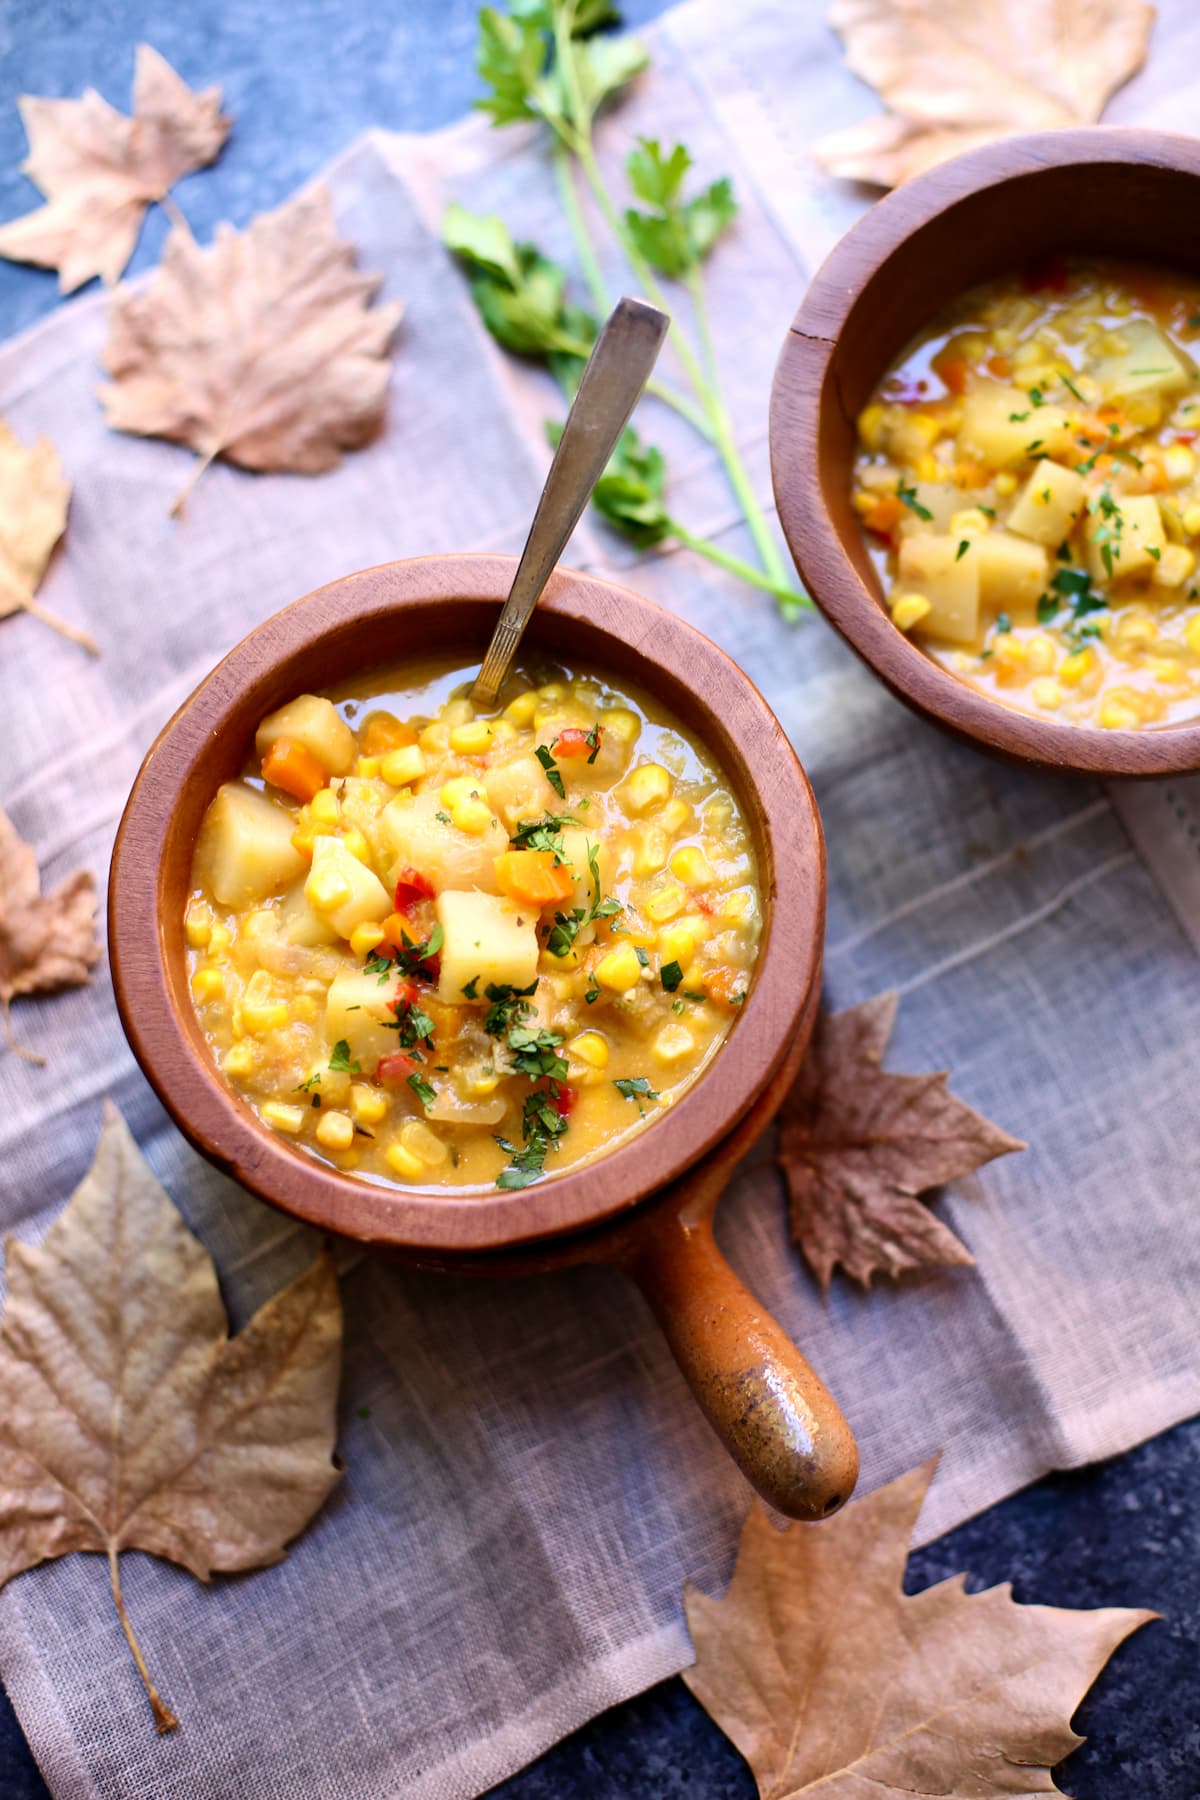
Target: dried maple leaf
953, 77
100, 171
261, 349
832, 1681
33, 516
130, 1420
47, 941
857, 1146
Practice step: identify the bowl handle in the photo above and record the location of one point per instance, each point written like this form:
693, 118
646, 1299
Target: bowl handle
768, 1406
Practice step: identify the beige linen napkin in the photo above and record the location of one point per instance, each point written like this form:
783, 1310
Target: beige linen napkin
528, 1482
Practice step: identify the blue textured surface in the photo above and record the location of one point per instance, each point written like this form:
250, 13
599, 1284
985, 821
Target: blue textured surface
302, 77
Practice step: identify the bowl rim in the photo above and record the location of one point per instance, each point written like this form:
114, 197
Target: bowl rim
802, 390
783, 815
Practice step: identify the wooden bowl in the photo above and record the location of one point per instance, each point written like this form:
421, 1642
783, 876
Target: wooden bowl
764, 1400
1094, 192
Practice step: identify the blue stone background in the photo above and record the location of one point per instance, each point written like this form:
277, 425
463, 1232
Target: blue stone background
303, 77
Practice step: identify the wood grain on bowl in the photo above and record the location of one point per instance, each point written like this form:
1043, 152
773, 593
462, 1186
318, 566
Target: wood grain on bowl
766, 1403
1008, 206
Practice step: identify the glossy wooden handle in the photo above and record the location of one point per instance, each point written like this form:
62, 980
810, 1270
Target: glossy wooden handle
770, 1409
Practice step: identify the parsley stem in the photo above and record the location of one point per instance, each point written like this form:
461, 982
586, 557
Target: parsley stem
793, 599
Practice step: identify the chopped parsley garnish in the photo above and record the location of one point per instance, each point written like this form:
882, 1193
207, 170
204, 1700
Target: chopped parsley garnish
471, 991
592, 992
1157, 371
1108, 535
1035, 394
989, 510
1017, 418
567, 926
536, 1052
443, 818
1034, 448
641, 955
677, 1006
546, 757
964, 544
411, 958
1071, 388
592, 740
310, 1086
340, 1060
378, 965
1154, 551
696, 994
541, 1127
424, 1090
908, 497
636, 1087
670, 975
414, 1026
509, 1007
1003, 624
543, 834
1047, 609
1074, 588
1063, 553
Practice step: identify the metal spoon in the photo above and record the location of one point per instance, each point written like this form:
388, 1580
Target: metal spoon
617, 371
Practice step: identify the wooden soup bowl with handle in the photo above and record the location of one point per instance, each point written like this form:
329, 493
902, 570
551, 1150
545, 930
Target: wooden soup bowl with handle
1103, 192
647, 1206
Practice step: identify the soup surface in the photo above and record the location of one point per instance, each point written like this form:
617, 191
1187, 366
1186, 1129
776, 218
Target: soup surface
446, 947
1027, 477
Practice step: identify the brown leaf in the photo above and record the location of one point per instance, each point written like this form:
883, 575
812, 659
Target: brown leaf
46, 941
857, 1146
129, 1420
33, 516
832, 1681
100, 171
261, 349
953, 77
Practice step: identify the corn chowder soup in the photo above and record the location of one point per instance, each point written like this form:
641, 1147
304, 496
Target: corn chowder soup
1027, 477
446, 947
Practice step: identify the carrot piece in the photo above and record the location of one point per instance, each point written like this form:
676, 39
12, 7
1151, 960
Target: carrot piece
533, 876
953, 371
724, 985
573, 740
1000, 366
885, 515
382, 733
294, 768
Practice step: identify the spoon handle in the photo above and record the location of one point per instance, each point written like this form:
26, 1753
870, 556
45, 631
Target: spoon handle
617, 371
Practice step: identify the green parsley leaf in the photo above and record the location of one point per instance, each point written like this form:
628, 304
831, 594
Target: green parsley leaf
670, 975
677, 235
546, 757
543, 834
1070, 386
964, 544
471, 991
443, 817
1017, 418
424, 1090
340, 1060
641, 955
636, 1087
1003, 624
509, 1006
908, 497
592, 992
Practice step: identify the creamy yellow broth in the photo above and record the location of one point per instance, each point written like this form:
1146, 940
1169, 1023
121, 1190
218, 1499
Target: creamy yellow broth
1027, 477
416, 958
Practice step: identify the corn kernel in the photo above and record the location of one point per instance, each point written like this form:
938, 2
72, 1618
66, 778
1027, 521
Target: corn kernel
364, 938
1192, 635
260, 1009
219, 940
197, 927
434, 737
1011, 650
208, 984
552, 690
1168, 670
521, 710
692, 867
472, 738
257, 925
1078, 665
622, 723
302, 840
399, 767
1041, 654
472, 816
1047, 693
326, 890
503, 732
1191, 521
871, 421
673, 1042
357, 844
590, 1048
367, 767
651, 852
922, 428
737, 908
1179, 464
620, 970
927, 467
551, 964
675, 816
863, 501
970, 519
483, 1081
289, 1119
1135, 631
665, 904
422, 1143
1176, 563
335, 1130
1005, 483
1118, 715
239, 1059
677, 943
403, 1163
909, 610
647, 787
305, 1007
324, 808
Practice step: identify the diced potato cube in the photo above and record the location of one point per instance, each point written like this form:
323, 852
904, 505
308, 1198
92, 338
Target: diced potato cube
357, 1012
520, 790
940, 499
302, 924
1001, 426
1048, 505
1132, 533
1012, 571
1150, 364
245, 849
315, 723
932, 566
577, 842
334, 868
487, 940
447, 856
